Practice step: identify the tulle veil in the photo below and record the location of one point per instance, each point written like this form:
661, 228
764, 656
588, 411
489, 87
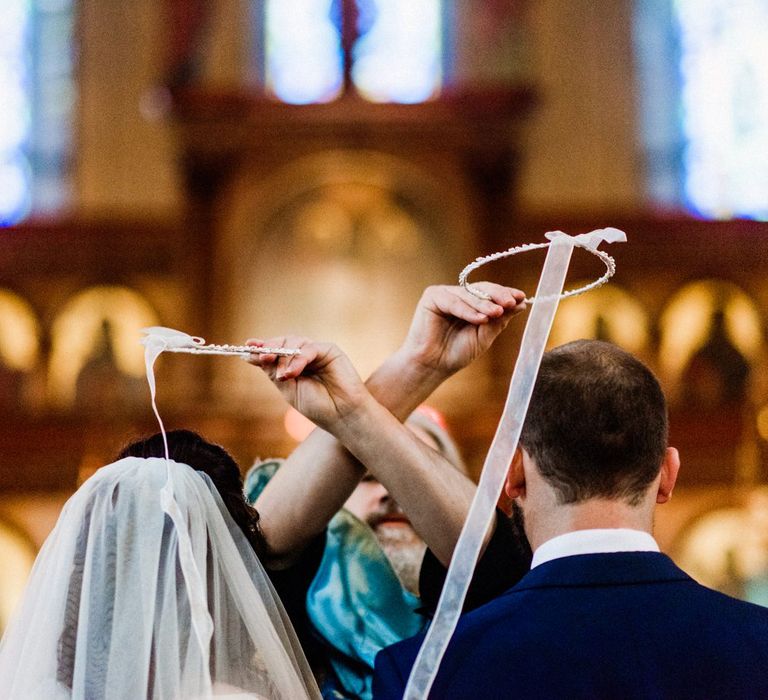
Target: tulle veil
146, 588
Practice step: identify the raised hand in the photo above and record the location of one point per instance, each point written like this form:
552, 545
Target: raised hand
452, 327
320, 383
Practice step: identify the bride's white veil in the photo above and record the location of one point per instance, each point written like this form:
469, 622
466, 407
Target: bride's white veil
142, 593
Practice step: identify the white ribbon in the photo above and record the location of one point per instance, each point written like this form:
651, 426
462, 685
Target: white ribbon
499, 457
156, 340
169, 338
592, 239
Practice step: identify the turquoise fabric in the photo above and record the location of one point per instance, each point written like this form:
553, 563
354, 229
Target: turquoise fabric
355, 601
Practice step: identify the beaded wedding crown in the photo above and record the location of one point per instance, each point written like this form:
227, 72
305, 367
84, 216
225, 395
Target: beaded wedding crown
175, 341
585, 241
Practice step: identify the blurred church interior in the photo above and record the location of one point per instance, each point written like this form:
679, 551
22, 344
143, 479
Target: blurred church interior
240, 168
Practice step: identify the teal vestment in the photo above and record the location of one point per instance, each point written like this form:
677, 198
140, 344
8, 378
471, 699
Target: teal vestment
355, 602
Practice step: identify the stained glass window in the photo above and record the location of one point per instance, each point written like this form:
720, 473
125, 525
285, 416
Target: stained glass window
703, 79
724, 67
398, 58
303, 57
37, 94
397, 54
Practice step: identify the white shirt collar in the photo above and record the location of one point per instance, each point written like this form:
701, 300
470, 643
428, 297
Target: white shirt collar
594, 542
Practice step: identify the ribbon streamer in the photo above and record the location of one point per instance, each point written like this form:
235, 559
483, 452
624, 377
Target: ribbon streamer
499, 456
157, 340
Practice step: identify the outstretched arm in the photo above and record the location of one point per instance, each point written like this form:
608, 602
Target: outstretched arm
450, 328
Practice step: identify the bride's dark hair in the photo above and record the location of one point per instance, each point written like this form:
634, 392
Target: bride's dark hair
188, 447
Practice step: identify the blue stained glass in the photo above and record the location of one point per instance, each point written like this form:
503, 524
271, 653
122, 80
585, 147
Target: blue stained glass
14, 125
15, 191
54, 104
399, 57
303, 55
15, 17
724, 70
37, 94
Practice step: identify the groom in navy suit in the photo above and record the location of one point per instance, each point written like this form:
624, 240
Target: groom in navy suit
602, 613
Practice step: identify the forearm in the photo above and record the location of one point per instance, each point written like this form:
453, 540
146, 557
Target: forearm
401, 384
300, 498
449, 329
319, 476
435, 496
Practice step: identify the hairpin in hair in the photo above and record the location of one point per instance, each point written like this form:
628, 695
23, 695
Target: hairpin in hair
587, 241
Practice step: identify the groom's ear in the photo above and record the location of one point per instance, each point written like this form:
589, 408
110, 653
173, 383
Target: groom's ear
514, 486
670, 466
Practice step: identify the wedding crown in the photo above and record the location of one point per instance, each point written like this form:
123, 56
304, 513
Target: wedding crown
175, 341
586, 241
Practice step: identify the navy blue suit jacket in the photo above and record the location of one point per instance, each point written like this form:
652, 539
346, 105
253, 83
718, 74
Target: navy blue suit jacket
624, 625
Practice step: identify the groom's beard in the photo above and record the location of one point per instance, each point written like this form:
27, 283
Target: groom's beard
403, 547
518, 519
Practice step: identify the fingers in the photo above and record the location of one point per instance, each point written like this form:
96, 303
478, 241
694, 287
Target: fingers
282, 367
464, 306
267, 361
291, 366
459, 303
507, 297
259, 359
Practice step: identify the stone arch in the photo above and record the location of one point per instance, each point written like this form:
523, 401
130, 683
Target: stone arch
113, 314
19, 332
692, 315
608, 313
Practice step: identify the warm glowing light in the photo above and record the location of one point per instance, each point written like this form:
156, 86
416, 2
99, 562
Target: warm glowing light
326, 223
762, 422
18, 556
686, 322
77, 329
623, 319
725, 105
19, 332
727, 548
296, 425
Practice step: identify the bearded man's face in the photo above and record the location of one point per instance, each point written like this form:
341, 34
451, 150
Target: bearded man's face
372, 504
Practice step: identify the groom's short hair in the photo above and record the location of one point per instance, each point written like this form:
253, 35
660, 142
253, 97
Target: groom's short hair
597, 423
